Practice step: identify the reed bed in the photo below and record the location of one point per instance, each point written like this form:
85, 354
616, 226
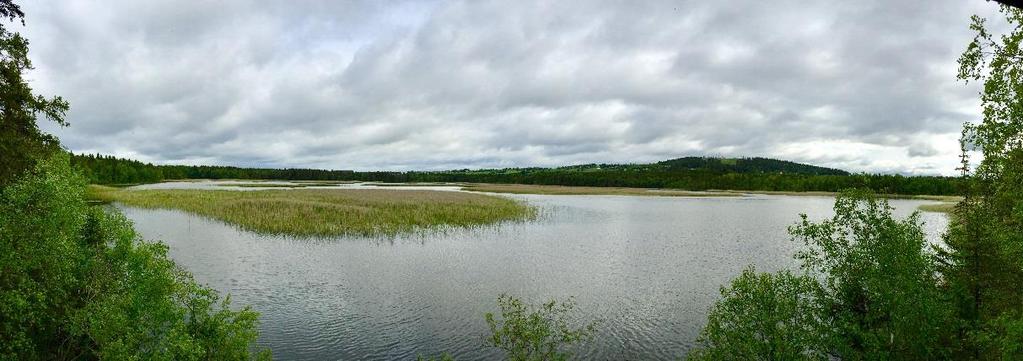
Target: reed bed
938, 207
330, 212
572, 190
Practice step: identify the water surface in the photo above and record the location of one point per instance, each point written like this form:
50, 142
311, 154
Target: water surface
647, 267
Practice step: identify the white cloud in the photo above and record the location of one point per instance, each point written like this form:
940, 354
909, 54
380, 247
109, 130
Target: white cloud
864, 86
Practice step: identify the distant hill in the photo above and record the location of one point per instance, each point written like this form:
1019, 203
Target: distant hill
754, 165
748, 165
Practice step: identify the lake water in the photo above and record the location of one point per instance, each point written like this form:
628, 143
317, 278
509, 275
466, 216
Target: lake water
648, 268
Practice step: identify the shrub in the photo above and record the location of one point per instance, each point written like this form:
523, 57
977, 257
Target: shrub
764, 316
527, 333
78, 282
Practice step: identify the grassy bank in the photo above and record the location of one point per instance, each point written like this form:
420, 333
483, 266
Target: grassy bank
329, 212
568, 190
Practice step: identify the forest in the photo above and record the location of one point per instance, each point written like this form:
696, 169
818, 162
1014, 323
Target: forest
690, 173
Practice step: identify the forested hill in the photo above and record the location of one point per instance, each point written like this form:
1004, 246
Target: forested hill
691, 173
748, 165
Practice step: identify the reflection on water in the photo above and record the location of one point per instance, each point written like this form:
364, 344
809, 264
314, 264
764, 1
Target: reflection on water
647, 267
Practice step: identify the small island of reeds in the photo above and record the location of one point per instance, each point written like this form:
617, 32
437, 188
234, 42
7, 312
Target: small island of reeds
329, 212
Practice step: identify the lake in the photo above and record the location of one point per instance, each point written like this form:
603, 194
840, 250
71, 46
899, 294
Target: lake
648, 268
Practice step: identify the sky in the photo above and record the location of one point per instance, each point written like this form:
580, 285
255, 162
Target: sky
865, 86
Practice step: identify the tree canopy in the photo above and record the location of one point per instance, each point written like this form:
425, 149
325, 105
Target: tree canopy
21, 141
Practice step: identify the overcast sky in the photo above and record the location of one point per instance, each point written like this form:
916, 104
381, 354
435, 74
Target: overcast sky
858, 85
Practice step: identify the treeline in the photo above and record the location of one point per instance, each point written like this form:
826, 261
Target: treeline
100, 169
105, 169
754, 174
702, 180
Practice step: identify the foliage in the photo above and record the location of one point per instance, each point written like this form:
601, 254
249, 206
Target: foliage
983, 263
21, 141
765, 317
874, 295
77, 282
330, 212
39, 292
880, 282
526, 333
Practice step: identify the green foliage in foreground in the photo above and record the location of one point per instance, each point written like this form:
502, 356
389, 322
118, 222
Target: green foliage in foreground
871, 292
984, 259
534, 333
880, 285
330, 212
527, 332
764, 316
77, 282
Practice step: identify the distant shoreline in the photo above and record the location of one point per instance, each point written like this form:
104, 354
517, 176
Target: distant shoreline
946, 204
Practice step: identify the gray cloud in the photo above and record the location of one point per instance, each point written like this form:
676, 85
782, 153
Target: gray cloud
865, 86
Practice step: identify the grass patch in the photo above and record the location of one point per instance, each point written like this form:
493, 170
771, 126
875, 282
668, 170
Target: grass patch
329, 212
95, 193
938, 207
569, 190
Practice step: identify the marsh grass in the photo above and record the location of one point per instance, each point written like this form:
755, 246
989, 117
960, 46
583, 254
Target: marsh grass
571, 190
946, 207
329, 212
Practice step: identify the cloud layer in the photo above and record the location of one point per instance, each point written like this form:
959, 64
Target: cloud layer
863, 86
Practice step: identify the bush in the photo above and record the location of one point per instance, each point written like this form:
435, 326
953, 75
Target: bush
78, 282
765, 317
871, 292
880, 281
528, 333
